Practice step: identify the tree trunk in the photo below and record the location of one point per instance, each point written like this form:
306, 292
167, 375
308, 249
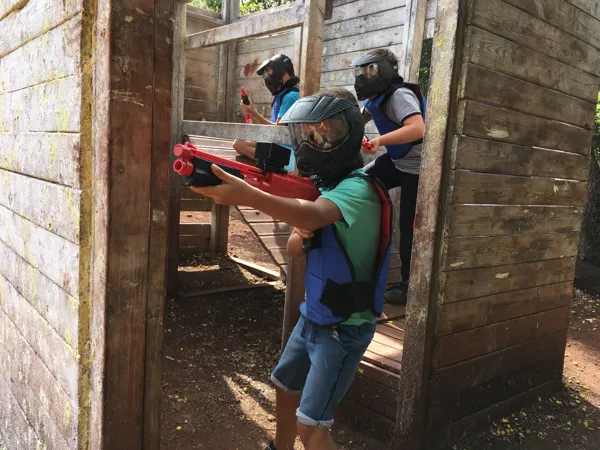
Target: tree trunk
589, 248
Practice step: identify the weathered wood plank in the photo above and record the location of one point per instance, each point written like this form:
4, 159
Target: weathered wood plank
482, 418
499, 124
57, 353
373, 395
130, 148
52, 56
471, 252
410, 57
468, 284
46, 156
53, 303
197, 109
35, 18
592, 7
255, 59
454, 407
338, 78
485, 188
462, 346
197, 80
159, 211
484, 220
261, 43
195, 205
482, 155
52, 106
49, 409
50, 254
200, 93
271, 228
49, 205
360, 9
343, 60
511, 23
492, 87
422, 305
208, 55
379, 375
203, 69
469, 314
30, 372
219, 228
280, 20
369, 40
360, 25
312, 47
563, 16
13, 419
382, 361
469, 374
365, 420
261, 133
496, 53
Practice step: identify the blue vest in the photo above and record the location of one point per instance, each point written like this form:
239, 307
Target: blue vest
332, 291
277, 102
384, 125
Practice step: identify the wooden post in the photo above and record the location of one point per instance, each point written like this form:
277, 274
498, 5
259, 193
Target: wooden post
414, 30
310, 76
233, 12
422, 296
219, 228
161, 173
177, 96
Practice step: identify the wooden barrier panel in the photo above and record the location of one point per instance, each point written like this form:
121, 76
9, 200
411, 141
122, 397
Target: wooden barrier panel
526, 92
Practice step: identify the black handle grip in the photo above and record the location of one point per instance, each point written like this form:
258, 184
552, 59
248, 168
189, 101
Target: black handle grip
203, 176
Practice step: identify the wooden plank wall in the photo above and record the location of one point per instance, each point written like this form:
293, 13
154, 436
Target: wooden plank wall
44, 214
516, 186
356, 27
201, 69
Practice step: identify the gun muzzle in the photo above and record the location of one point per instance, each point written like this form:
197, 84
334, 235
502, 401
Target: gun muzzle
181, 151
183, 167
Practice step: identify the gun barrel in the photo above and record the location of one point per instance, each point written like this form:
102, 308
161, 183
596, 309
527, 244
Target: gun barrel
183, 167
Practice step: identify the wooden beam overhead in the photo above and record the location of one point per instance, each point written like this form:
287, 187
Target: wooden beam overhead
275, 22
220, 130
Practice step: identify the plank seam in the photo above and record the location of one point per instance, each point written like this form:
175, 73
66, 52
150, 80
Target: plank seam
32, 38
532, 48
507, 108
506, 292
554, 26
16, 402
334, 21
585, 12
529, 82
37, 310
504, 349
533, 177
543, 311
40, 358
33, 177
356, 34
36, 85
512, 263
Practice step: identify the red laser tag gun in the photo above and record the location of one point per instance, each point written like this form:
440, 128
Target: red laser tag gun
246, 100
366, 144
268, 175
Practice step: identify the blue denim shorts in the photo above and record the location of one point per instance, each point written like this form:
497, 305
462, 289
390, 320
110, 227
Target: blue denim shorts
320, 364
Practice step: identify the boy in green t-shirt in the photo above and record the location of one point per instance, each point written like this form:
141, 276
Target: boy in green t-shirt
349, 226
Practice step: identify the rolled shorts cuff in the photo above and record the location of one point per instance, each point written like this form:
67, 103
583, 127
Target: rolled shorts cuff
283, 387
305, 420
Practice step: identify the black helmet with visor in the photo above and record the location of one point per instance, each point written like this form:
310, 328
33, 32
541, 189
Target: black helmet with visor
326, 134
279, 65
373, 74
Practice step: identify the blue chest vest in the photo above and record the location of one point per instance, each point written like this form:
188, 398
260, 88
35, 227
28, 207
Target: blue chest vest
277, 102
332, 290
384, 125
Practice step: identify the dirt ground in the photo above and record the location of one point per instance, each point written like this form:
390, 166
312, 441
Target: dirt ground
220, 349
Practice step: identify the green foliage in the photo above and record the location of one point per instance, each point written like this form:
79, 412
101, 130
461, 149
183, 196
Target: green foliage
210, 5
425, 66
251, 6
246, 6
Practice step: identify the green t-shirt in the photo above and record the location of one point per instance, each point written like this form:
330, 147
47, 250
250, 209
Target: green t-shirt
359, 229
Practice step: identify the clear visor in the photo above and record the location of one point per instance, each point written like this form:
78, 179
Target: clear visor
368, 70
322, 136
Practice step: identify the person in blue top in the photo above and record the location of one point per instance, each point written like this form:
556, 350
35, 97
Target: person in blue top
398, 109
279, 77
347, 257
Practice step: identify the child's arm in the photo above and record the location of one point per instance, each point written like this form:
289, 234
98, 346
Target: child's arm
302, 214
295, 242
412, 130
249, 109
